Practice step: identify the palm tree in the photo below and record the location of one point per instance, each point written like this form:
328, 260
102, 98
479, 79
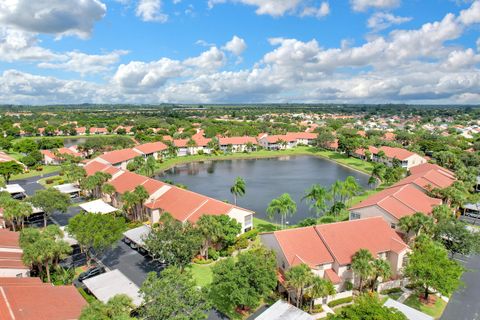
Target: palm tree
129, 200
351, 187
378, 173
318, 196
282, 206
109, 190
298, 278
211, 231
362, 265
238, 189
336, 189
319, 288
149, 166
380, 269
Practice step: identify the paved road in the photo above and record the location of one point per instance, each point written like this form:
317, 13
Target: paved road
465, 302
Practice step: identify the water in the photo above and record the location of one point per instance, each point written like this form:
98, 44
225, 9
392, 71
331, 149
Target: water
265, 180
68, 142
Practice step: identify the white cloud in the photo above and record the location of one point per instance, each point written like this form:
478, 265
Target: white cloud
151, 11
471, 15
322, 11
236, 46
58, 17
86, 63
363, 5
382, 20
211, 59
20, 45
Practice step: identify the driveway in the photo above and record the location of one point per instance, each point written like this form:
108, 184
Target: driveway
464, 303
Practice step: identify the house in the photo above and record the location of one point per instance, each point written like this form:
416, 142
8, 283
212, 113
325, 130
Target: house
55, 157
95, 130
95, 166
277, 142
154, 149
361, 153
428, 176
328, 249
237, 144
30, 299
394, 203
6, 158
407, 158
11, 264
118, 158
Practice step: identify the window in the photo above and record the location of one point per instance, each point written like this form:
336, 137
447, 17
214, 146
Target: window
349, 267
393, 225
355, 216
248, 220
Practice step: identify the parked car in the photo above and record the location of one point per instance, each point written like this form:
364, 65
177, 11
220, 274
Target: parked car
90, 273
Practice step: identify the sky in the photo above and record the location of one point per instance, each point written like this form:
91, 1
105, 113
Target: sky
239, 51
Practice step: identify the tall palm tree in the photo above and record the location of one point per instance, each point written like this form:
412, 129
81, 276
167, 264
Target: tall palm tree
336, 189
351, 187
319, 288
141, 196
149, 166
282, 206
238, 189
362, 265
109, 190
298, 278
129, 200
318, 196
380, 269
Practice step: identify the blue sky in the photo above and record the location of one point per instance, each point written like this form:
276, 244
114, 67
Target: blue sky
239, 51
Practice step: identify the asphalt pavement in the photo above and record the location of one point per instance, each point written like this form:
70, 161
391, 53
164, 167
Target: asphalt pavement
465, 302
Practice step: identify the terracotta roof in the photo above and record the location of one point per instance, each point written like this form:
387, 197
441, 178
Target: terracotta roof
5, 157
361, 151
95, 166
430, 166
303, 245
237, 140
301, 135
127, 181
21, 281
180, 143
40, 302
331, 275
389, 136
9, 239
344, 239
428, 180
49, 154
68, 151
118, 156
362, 133
151, 147
398, 153
401, 201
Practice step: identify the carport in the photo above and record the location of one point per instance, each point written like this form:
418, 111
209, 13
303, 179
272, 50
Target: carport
136, 237
15, 190
98, 206
69, 188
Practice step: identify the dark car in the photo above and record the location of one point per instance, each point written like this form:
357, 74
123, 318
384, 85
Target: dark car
90, 273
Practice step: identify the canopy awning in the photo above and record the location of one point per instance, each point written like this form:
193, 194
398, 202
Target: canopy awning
67, 188
138, 234
98, 206
13, 188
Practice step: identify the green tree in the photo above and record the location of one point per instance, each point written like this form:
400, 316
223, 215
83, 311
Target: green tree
210, 230
96, 231
73, 173
25, 146
319, 288
243, 283
367, 307
457, 238
118, 307
149, 166
283, 206
351, 188
417, 223
362, 265
380, 269
173, 242
174, 295
318, 196
50, 200
95, 182
430, 268
15, 211
298, 278
238, 189
9, 168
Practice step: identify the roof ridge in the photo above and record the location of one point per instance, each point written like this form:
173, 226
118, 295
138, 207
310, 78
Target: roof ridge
194, 211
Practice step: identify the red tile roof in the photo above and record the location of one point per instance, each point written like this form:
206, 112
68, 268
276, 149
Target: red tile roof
118, 156
95, 166
389, 136
237, 140
40, 302
344, 239
9, 239
429, 180
127, 181
401, 201
5, 157
151, 147
331, 275
398, 153
361, 151
430, 166
303, 245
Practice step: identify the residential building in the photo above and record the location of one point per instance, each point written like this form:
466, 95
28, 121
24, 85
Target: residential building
155, 149
407, 158
55, 156
237, 144
11, 264
394, 203
118, 158
328, 249
428, 176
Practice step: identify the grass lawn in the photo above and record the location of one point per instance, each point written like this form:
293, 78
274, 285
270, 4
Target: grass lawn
264, 225
64, 137
56, 181
35, 173
435, 310
395, 295
202, 273
353, 163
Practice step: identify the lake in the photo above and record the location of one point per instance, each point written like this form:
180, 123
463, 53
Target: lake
68, 142
265, 180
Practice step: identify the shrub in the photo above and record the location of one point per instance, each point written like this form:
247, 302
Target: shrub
134, 224
348, 285
202, 261
338, 302
230, 250
250, 235
242, 243
391, 290
307, 222
317, 309
49, 181
327, 219
200, 152
213, 254
39, 168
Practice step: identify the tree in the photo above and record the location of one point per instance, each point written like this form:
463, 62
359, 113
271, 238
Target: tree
430, 268
351, 188
133, 202
417, 223
96, 231
367, 307
378, 173
109, 190
238, 189
25, 146
211, 231
15, 211
9, 168
95, 182
42, 248
324, 139
118, 307
362, 265
319, 288
50, 200
174, 295
380, 269
457, 238
173, 242
283, 206
73, 173
298, 278
318, 197
241, 284
149, 166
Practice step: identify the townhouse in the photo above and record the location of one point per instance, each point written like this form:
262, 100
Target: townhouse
407, 158
394, 203
237, 144
118, 158
183, 205
154, 149
286, 141
11, 264
55, 156
328, 249
428, 176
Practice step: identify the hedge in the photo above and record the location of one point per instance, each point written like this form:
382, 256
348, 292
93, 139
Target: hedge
340, 301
